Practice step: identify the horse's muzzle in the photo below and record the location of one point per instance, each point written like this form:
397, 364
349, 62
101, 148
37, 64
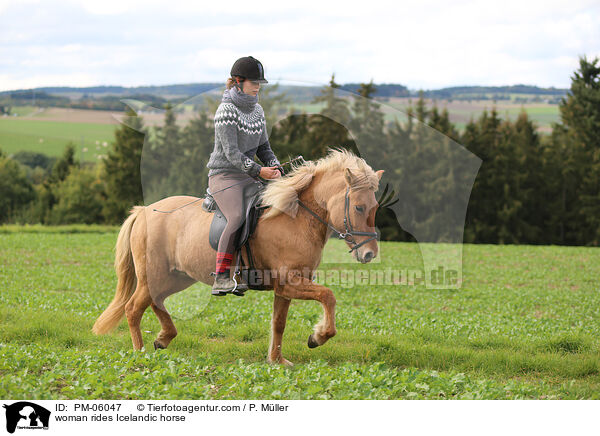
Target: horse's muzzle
365, 257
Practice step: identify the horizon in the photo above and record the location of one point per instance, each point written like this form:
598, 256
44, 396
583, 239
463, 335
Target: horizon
300, 85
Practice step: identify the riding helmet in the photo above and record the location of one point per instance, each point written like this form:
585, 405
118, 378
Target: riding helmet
249, 68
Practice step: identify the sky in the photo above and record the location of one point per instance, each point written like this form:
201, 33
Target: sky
422, 45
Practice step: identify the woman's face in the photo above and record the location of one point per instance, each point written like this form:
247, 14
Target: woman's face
250, 87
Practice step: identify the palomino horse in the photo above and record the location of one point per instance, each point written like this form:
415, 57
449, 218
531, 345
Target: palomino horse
160, 254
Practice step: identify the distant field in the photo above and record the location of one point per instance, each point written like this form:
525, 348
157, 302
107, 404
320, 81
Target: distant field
48, 130
461, 112
21, 111
525, 324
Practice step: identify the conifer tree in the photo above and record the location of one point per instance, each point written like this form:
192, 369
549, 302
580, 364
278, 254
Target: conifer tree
188, 174
580, 115
121, 170
168, 134
482, 137
367, 123
330, 127
47, 195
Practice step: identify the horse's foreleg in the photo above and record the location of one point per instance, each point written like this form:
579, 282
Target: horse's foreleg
280, 311
304, 289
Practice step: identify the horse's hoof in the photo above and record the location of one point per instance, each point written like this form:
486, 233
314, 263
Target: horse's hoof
159, 346
281, 361
311, 342
285, 362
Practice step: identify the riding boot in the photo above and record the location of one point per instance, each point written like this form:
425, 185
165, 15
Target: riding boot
223, 284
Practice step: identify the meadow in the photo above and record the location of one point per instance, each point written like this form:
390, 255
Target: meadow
50, 136
461, 111
525, 324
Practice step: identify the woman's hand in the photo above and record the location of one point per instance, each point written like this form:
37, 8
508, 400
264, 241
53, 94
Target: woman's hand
269, 173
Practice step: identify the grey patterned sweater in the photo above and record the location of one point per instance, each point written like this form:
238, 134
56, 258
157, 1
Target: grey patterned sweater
240, 135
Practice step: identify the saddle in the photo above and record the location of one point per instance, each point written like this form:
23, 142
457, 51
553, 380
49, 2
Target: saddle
252, 210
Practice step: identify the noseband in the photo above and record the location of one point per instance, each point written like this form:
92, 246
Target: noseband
349, 234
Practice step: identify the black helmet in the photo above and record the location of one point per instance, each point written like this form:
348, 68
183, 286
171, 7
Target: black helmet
249, 68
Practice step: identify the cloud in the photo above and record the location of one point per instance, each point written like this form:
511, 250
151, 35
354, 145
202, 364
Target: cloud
425, 44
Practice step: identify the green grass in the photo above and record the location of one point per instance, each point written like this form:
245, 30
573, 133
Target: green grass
461, 112
525, 324
51, 137
22, 111
543, 115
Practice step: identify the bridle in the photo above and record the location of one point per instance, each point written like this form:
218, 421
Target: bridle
350, 232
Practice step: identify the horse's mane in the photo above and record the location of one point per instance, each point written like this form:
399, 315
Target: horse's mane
281, 194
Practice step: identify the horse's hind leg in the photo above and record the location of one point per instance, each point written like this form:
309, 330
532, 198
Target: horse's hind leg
134, 310
168, 330
169, 285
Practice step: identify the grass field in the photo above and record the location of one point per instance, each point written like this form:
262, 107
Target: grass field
526, 324
51, 136
461, 112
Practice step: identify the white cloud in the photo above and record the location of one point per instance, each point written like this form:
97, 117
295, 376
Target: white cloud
114, 7
426, 44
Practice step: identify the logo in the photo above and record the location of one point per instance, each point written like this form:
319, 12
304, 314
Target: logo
26, 415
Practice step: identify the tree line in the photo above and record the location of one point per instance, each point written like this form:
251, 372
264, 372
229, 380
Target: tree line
529, 188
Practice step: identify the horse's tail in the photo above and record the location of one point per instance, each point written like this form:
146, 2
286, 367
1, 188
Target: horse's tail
127, 280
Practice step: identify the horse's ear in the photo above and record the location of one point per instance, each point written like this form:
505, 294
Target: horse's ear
348, 176
379, 173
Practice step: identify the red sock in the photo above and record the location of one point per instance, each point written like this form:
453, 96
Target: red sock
223, 262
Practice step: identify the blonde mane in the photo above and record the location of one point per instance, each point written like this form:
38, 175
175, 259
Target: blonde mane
282, 193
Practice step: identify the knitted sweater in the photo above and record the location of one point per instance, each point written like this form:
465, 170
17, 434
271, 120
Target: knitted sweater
240, 135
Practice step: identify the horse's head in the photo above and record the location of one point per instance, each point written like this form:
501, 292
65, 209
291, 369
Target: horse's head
341, 188
352, 211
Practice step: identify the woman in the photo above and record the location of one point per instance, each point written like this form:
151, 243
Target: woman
240, 133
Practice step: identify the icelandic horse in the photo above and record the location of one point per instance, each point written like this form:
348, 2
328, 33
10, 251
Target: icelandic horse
160, 254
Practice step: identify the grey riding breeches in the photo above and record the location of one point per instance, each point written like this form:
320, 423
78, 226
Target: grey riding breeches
230, 202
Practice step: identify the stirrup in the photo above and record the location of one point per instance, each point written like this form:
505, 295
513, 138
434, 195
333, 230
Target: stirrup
236, 291
240, 287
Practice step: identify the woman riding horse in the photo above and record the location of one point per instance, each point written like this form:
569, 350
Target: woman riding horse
160, 254
240, 133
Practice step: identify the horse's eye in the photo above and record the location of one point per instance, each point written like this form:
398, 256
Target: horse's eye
359, 209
